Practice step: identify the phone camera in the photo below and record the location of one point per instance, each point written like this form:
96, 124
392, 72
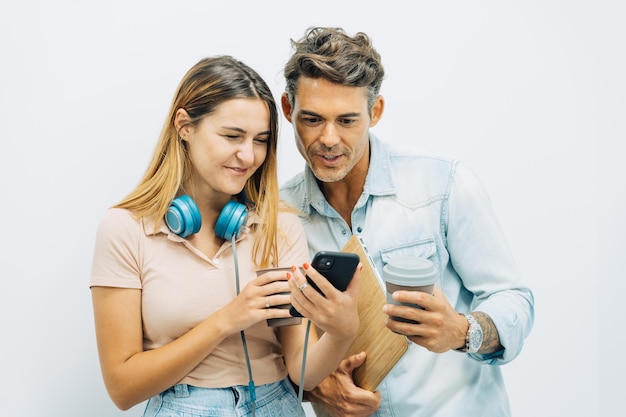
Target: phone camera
325, 263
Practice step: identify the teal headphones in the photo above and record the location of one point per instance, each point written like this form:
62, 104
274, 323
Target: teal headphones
183, 218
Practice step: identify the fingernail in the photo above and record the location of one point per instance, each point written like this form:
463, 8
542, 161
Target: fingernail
305, 265
293, 268
360, 267
288, 275
385, 308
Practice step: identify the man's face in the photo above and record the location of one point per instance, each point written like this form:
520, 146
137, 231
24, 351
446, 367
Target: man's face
331, 124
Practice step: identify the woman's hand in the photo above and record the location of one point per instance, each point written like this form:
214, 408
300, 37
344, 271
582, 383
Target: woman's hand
335, 313
253, 304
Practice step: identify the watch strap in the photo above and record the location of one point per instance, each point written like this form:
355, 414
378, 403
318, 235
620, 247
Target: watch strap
473, 325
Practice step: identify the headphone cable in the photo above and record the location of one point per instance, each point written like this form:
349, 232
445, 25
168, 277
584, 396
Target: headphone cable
304, 350
251, 387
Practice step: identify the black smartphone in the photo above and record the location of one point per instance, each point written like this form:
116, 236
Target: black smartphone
336, 267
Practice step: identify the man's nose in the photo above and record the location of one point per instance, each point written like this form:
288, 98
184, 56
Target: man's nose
329, 136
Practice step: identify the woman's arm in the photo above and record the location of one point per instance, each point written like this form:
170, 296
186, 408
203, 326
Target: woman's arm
336, 314
132, 375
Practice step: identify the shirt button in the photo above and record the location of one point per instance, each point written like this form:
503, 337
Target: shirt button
359, 229
216, 261
343, 232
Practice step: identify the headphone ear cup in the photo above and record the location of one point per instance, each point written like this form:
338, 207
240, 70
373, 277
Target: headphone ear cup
231, 219
183, 216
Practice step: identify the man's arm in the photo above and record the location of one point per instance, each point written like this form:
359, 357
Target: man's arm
491, 339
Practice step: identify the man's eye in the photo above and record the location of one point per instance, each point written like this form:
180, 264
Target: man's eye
311, 120
347, 122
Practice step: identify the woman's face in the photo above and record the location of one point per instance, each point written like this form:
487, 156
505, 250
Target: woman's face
228, 146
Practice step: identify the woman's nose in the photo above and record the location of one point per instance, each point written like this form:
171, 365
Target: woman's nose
245, 153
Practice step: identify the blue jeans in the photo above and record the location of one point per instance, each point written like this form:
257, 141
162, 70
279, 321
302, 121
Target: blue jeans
182, 400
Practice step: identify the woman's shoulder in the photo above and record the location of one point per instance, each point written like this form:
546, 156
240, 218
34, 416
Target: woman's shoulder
119, 215
116, 221
288, 213
290, 219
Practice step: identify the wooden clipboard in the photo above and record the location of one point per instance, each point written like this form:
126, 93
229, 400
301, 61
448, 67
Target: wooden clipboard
383, 347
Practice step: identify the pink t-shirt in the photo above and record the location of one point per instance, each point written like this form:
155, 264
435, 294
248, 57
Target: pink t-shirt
181, 286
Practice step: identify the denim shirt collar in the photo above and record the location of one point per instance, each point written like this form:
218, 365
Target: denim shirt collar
379, 180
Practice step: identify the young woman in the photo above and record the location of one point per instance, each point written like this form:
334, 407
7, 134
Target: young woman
180, 313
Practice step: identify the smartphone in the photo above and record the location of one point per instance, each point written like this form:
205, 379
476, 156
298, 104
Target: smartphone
337, 267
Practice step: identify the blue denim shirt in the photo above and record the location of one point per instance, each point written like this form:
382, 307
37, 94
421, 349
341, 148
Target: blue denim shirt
419, 205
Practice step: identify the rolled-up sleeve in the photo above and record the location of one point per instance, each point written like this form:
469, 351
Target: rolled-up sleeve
483, 260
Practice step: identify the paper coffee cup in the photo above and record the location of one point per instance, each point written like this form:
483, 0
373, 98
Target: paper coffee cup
287, 321
409, 274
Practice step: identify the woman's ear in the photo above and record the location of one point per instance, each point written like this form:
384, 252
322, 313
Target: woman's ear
182, 123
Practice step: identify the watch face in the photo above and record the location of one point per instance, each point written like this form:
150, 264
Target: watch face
475, 340
474, 336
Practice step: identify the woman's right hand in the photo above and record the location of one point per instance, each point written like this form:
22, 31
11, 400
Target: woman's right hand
251, 305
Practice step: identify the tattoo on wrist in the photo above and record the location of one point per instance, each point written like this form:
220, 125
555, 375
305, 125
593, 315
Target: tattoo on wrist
491, 338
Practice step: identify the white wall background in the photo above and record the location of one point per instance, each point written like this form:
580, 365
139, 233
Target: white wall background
530, 94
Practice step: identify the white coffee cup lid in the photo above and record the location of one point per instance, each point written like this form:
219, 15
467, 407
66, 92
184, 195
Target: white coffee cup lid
410, 271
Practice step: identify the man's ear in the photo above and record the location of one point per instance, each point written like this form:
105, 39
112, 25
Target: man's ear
377, 110
182, 123
286, 105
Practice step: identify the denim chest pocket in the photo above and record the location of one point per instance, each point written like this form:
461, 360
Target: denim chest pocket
421, 248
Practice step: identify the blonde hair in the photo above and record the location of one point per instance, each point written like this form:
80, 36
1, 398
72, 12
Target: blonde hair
209, 83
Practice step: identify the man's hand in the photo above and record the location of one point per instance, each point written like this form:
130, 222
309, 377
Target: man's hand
439, 327
340, 397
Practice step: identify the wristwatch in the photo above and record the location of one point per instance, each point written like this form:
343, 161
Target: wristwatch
474, 337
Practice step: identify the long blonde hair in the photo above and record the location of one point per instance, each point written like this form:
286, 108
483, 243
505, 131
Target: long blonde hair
209, 83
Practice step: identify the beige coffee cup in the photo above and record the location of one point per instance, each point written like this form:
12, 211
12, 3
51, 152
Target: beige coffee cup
287, 321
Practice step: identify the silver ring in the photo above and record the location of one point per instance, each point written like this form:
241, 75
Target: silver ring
303, 286
267, 302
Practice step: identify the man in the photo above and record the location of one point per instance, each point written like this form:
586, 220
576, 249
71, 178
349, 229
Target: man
402, 205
